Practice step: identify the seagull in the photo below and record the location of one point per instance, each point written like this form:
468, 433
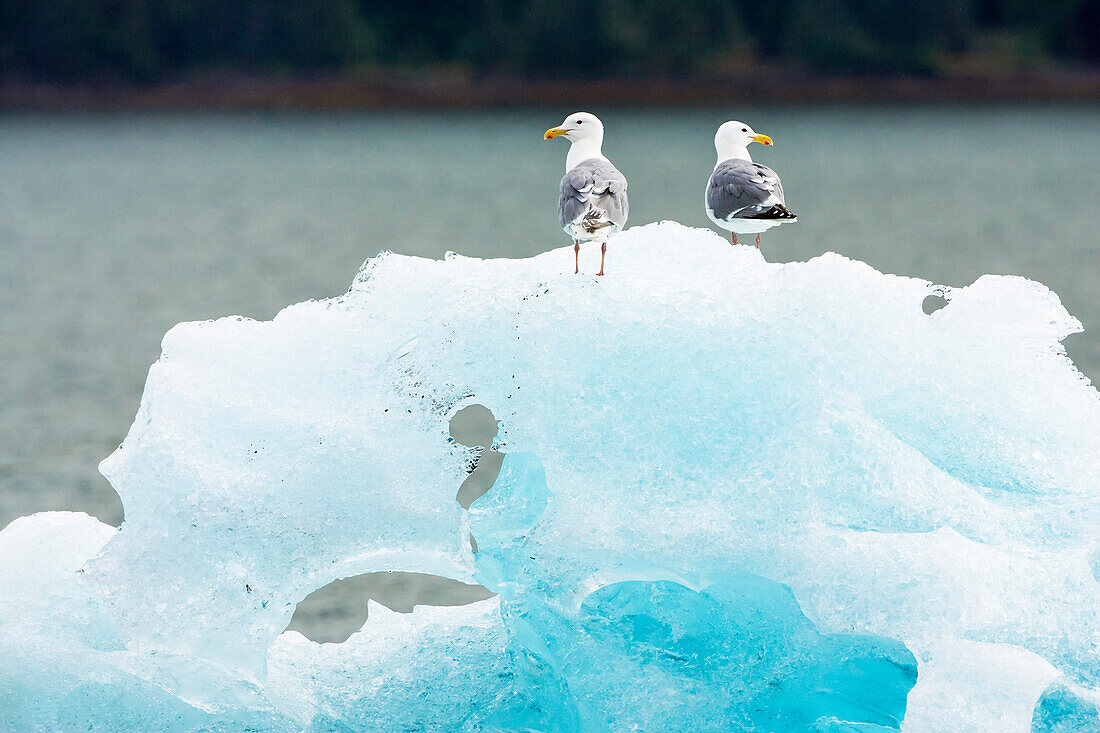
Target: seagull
593, 203
744, 197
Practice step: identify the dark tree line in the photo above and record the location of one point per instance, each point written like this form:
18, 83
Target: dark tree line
148, 40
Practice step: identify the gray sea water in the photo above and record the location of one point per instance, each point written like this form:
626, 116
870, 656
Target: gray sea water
115, 227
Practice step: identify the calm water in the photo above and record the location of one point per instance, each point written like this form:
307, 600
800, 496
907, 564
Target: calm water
114, 228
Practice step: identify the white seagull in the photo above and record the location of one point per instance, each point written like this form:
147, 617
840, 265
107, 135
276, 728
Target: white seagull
744, 197
593, 203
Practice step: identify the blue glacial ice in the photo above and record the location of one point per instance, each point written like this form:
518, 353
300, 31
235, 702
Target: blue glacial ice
736, 496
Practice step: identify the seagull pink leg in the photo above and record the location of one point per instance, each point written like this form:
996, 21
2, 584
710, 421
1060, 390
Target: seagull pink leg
577, 256
603, 254
758, 241
734, 235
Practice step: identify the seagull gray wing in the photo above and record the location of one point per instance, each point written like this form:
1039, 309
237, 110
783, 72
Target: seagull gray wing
744, 190
593, 196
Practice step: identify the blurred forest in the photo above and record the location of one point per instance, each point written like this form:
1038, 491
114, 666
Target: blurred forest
148, 41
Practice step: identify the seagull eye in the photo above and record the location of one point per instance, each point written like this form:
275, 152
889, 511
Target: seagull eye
744, 129
580, 122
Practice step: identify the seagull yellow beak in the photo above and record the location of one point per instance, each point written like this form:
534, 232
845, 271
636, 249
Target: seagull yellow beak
762, 139
554, 132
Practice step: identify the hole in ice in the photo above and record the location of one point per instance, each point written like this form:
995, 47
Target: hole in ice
338, 610
481, 479
476, 427
933, 303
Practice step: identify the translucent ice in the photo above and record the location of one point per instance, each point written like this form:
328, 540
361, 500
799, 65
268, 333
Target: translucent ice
736, 496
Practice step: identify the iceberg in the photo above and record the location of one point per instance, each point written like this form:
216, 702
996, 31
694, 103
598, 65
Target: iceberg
735, 496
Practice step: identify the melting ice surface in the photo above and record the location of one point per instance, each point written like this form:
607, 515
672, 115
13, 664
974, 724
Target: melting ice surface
737, 496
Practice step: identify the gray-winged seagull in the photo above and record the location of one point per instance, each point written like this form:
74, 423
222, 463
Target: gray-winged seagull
593, 203
744, 197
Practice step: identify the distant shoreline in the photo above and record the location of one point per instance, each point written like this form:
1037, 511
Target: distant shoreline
413, 91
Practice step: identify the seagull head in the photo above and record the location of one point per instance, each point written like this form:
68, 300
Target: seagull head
578, 126
737, 135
